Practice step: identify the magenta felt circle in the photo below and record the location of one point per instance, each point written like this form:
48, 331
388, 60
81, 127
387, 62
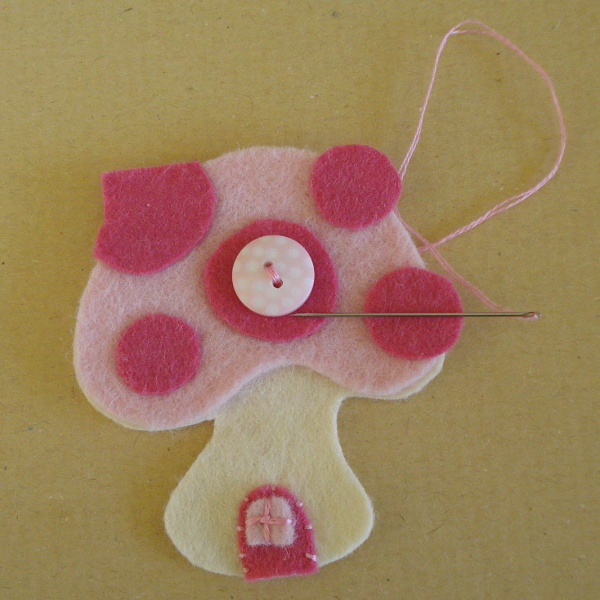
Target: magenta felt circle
158, 354
354, 186
222, 297
411, 289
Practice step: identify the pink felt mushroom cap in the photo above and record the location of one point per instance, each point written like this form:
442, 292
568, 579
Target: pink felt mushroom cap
256, 190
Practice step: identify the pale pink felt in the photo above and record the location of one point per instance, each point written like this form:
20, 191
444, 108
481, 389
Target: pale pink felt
355, 185
274, 524
254, 184
273, 275
413, 289
157, 354
223, 298
267, 560
153, 216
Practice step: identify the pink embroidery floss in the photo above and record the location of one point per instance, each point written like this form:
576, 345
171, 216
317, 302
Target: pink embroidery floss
483, 29
272, 271
266, 520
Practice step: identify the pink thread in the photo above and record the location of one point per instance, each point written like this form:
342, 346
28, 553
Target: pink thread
266, 520
277, 281
505, 204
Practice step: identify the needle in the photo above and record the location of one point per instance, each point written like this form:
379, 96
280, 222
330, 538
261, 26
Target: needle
526, 315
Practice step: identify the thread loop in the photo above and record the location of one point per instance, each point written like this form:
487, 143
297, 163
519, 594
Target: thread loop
483, 29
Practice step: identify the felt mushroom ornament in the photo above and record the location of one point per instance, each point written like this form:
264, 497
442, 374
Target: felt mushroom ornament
189, 316
210, 300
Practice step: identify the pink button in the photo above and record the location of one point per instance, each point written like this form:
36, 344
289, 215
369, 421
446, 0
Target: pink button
273, 275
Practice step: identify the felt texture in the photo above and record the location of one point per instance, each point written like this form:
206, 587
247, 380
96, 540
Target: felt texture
224, 300
153, 216
157, 354
250, 185
281, 429
414, 290
355, 185
283, 555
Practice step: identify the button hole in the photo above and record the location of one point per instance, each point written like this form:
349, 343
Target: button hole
277, 281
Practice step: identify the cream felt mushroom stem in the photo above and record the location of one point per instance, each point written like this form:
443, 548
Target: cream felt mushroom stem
281, 430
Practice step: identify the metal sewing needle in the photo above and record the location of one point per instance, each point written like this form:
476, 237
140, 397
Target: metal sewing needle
527, 315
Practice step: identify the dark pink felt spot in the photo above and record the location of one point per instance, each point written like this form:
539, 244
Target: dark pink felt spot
354, 186
265, 561
411, 289
223, 299
153, 216
158, 354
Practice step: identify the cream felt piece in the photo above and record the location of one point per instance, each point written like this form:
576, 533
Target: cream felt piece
282, 429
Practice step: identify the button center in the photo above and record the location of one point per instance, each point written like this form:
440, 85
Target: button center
272, 271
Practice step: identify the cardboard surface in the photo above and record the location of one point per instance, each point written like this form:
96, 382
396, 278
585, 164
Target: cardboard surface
486, 484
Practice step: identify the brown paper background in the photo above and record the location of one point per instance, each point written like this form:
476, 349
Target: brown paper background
486, 484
